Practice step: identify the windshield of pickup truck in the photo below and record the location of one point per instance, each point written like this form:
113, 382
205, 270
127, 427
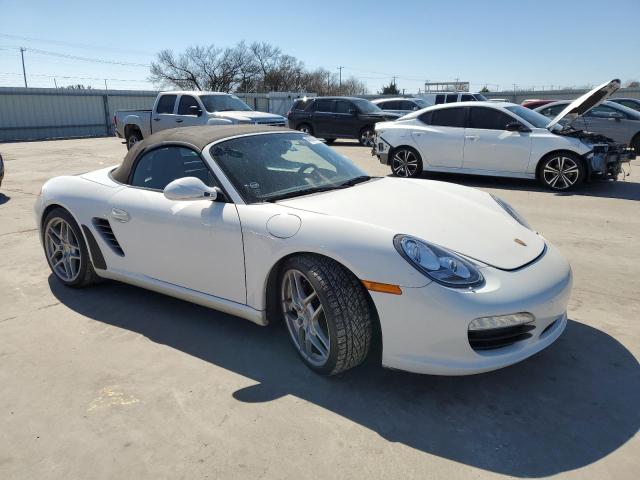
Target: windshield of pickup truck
224, 103
275, 166
365, 106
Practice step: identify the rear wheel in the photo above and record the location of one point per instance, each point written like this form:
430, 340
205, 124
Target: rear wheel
66, 251
406, 162
133, 138
329, 141
562, 171
367, 136
305, 128
327, 313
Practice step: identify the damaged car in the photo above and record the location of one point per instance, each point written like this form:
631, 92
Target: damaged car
503, 139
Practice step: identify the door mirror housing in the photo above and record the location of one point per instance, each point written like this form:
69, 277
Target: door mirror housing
516, 127
195, 110
191, 188
617, 116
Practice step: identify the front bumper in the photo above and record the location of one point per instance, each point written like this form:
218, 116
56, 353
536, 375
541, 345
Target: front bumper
607, 159
381, 149
425, 330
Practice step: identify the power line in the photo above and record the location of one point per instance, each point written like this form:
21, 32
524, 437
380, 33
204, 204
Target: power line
75, 45
79, 58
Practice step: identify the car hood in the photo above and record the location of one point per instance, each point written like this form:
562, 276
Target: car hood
586, 102
462, 219
243, 115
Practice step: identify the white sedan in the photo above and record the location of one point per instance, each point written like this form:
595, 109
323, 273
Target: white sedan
501, 139
267, 223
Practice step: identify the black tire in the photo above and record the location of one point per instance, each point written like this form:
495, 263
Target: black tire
366, 136
133, 137
346, 312
329, 141
305, 128
85, 273
635, 144
405, 162
561, 171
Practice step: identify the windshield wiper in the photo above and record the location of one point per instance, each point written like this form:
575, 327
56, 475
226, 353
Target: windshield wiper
299, 193
355, 180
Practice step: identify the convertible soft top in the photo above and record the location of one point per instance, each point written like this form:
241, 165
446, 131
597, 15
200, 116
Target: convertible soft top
193, 137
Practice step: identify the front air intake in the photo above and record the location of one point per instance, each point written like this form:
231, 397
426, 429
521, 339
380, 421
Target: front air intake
104, 229
499, 337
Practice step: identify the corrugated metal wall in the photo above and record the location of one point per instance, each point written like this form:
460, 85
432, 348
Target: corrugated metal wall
43, 113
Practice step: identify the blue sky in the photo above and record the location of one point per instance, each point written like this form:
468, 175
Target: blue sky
497, 43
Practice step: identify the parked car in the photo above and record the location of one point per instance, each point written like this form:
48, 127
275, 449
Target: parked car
501, 139
1, 169
401, 105
187, 109
452, 97
610, 119
535, 103
632, 103
271, 224
337, 117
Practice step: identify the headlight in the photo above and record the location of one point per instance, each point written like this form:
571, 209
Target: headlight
440, 265
511, 211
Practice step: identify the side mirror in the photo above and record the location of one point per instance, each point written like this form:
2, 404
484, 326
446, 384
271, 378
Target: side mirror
516, 127
191, 188
617, 116
195, 110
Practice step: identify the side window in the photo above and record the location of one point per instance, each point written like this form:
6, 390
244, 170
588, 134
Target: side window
552, 111
343, 106
166, 103
408, 105
465, 97
488, 119
603, 111
159, 167
426, 117
439, 99
186, 102
448, 117
324, 105
451, 98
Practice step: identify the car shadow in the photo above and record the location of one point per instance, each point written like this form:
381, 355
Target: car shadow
624, 190
565, 408
4, 198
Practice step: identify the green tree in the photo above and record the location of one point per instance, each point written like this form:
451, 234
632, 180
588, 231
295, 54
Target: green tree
390, 89
485, 90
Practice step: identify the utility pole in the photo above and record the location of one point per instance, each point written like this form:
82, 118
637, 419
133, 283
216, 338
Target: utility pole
55, 83
340, 68
24, 73
328, 81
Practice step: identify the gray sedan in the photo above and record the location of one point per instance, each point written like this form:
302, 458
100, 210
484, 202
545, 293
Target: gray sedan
611, 119
632, 103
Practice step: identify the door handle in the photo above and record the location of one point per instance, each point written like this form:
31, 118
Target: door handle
472, 137
120, 215
179, 121
156, 119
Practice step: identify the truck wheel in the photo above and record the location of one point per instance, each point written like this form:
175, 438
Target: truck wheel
367, 136
329, 141
327, 313
635, 144
561, 171
133, 138
305, 128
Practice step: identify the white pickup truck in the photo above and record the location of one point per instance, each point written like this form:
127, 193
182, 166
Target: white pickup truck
186, 109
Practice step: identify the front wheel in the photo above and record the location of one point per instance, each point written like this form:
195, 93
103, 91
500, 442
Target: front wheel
367, 136
406, 162
327, 313
133, 138
562, 171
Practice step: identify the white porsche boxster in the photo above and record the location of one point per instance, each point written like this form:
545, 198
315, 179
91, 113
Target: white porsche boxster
266, 223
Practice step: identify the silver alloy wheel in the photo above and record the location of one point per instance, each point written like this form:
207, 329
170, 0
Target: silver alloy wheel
305, 318
63, 249
404, 163
561, 173
367, 137
304, 129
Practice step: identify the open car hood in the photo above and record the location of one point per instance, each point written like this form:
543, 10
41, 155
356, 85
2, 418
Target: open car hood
586, 102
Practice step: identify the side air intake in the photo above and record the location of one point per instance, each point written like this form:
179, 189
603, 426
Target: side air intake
104, 228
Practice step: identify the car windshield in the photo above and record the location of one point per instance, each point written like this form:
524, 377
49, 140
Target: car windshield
224, 103
421, 103
534, 118
365, 106
275, 166
480, 97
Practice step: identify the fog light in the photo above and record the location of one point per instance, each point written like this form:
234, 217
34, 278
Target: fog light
501, 321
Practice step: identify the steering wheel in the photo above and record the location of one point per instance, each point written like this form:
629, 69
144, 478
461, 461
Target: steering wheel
307, 166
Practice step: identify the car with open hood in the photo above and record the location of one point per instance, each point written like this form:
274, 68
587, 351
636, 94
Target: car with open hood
271, 224
502, 139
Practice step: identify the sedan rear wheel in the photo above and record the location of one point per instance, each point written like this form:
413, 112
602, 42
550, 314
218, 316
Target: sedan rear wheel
405, 162
327, 313
562, 172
